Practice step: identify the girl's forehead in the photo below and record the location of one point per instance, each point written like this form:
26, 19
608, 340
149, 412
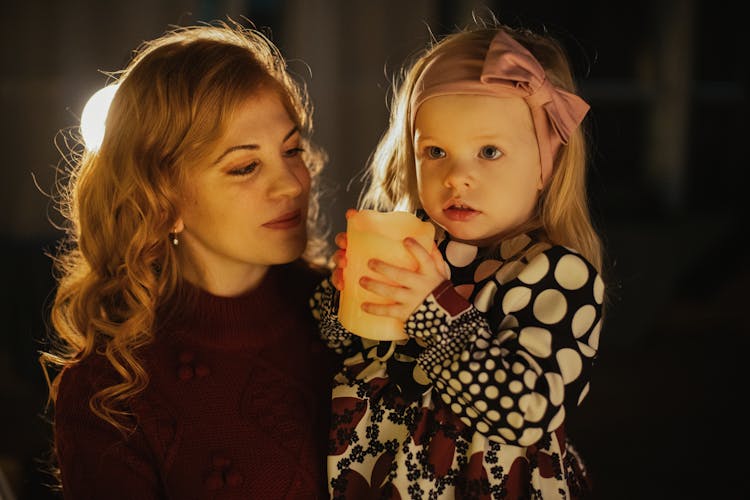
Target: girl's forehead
458, 116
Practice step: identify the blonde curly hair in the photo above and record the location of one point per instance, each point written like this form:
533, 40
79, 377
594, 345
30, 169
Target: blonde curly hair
117, 273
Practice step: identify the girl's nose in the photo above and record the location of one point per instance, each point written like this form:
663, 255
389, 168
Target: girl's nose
459, 177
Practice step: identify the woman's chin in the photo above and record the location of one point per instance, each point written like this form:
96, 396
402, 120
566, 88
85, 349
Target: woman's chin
292, 251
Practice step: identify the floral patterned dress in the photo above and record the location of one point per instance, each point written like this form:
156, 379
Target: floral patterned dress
473, 404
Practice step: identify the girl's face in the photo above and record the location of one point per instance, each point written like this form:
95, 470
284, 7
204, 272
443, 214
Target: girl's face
478, 167
245, 207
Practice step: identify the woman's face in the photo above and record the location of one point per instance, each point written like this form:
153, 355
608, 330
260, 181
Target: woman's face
245, 207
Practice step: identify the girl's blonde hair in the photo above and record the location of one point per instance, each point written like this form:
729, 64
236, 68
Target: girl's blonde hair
562, 214
118, 274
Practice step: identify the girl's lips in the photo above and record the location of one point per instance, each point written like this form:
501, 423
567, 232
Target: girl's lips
286, 221
455, 213
457, 210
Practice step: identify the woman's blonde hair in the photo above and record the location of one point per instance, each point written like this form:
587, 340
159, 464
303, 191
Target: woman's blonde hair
118, 274
562, 212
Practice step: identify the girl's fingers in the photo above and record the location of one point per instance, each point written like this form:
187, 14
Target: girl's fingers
418, 251
340, 240
349, 212
337, 278
392, 292
394, 273
339, 259
389, 310
431, 262
339, 262
406, 277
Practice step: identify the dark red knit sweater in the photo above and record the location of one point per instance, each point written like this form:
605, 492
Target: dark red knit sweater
236, 407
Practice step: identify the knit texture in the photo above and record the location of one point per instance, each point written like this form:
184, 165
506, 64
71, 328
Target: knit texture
236, 406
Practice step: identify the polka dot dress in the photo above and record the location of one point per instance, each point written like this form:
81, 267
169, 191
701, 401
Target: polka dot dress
474, 403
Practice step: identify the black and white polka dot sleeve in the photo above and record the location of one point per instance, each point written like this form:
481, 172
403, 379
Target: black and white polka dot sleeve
324, 306
515, 383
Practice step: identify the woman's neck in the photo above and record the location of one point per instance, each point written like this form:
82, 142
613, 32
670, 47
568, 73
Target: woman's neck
231, 283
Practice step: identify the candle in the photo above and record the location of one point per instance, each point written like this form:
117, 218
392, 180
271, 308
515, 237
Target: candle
371, 234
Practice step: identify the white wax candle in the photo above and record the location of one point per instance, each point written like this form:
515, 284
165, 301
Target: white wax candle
372, 234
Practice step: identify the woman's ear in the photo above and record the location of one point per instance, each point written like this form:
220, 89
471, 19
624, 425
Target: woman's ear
179, 226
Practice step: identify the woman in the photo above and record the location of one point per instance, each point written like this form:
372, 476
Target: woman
189, 361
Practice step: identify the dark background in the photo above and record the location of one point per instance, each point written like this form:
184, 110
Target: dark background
667, 82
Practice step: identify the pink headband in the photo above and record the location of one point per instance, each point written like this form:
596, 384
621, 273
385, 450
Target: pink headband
507, 69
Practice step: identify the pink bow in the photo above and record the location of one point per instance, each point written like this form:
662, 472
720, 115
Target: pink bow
556, 113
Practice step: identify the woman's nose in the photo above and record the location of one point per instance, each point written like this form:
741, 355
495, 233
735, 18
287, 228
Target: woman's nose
285, 184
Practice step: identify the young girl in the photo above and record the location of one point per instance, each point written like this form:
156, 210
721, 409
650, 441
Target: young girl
503, 316
191, 367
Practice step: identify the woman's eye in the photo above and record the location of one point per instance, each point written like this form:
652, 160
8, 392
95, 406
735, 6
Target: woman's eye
247, 169
490, 153
434, 152
289, 153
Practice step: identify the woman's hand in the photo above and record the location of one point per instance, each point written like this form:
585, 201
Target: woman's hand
339, 256
411, 287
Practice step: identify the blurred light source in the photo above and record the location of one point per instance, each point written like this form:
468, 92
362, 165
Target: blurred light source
94, 115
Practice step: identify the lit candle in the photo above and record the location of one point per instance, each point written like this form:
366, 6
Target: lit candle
371, 234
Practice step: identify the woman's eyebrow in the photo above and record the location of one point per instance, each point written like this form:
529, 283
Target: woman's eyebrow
235, 148
294, 130
252, 146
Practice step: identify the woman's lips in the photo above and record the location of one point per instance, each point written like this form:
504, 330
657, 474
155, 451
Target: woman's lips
286, 221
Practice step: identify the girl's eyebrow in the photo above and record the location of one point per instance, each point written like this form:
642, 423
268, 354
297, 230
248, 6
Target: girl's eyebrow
294, 130
423, 138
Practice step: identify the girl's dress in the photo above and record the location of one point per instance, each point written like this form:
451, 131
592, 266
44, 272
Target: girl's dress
473, 404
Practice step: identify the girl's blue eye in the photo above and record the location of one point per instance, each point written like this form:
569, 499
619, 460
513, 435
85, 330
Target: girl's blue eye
434, 152
490, 153
246, 170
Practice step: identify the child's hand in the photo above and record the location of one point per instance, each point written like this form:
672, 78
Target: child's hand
413, 286
339, 256
339, 262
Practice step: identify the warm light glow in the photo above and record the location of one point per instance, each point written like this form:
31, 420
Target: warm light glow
94, 115
371, 234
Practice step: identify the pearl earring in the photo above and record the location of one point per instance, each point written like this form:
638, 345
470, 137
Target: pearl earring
175, 241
